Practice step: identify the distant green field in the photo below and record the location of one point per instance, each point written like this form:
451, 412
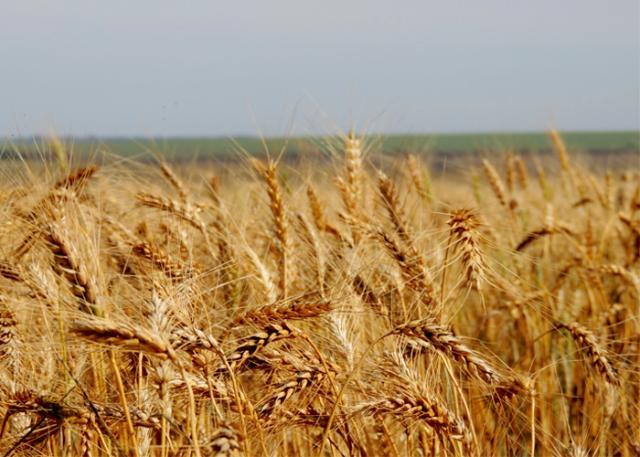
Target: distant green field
187, 148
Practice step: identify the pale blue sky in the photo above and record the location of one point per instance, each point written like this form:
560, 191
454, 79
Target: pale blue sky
163, 68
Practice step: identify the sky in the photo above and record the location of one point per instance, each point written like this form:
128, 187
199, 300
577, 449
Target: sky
281, 67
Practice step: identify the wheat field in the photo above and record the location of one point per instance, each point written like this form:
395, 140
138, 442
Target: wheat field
359, 307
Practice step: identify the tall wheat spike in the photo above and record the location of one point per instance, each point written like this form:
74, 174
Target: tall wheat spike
280, 222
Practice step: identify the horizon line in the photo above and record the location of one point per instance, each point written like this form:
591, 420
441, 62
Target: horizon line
86, 137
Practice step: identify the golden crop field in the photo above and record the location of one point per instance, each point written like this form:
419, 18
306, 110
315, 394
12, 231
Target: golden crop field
362, 306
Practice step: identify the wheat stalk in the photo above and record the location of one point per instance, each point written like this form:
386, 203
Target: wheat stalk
173, 179
414, 407
463, 224
67, 264
495, 182
597, 355
394, 210
293, 310
253, 344
280, 223
443, 340
419, 181
125, 336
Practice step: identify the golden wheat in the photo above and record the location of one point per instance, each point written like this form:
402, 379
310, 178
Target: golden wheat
355, 308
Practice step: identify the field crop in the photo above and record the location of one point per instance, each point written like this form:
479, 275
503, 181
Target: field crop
354, 307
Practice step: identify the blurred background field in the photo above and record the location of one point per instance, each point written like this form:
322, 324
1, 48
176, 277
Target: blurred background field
227, 148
